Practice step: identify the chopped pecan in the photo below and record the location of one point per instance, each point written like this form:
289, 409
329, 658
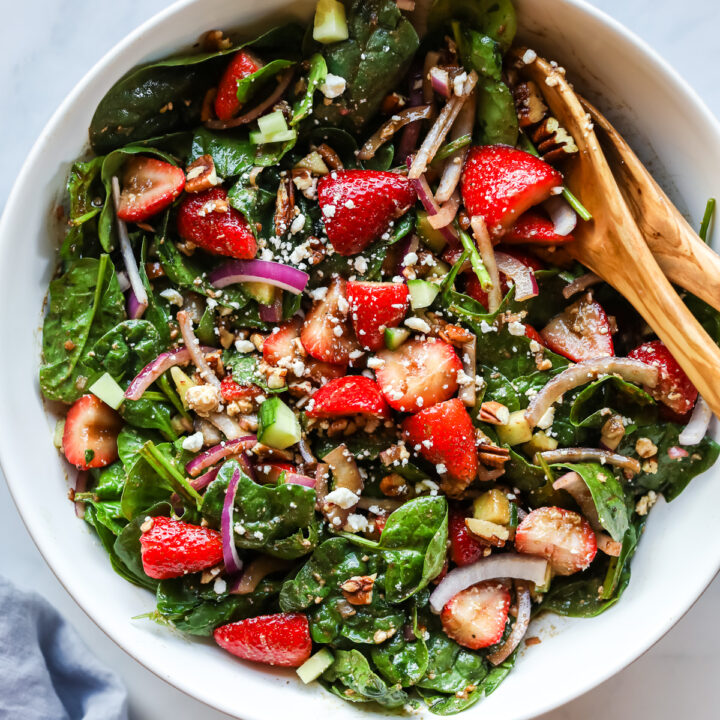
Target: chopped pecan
456, 335
493, 456
154, 270
392, 103
337, 427
531, 108
331, 158
284, 206
214, 40
612, 432
265, 452
494, 413
395, 485
305, 182
200, 175
358, 590
552, 141
645, 448
395, 453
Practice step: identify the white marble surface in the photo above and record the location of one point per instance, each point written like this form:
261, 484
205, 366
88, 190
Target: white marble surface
45, 48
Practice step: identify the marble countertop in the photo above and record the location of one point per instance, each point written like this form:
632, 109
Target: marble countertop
45, 48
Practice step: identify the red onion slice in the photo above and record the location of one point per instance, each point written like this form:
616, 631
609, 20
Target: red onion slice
523, 277
522, 621
123, 281
675, 452
431, 60
274, 273
297, 479
487, 253
193, 346
233, 563
409, 244
390, 127
632, 371
452, 171
217, 453
152, 371
695, 430
446, 213
425, 195
508, 565
227, 426
135, 309
440, 81
563, 216
580, 284
272, 313
604, 457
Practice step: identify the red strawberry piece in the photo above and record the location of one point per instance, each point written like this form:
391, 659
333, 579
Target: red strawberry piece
533, 334
280, 343
444, 435
171, 548
500, 183
348, 396
581, 332
232, 391
476, 617
206, 219
90, 435
536, 229
322, 372
281, 639
563, 537
674, 388
326, 334
271, 471
375, 306
418, 374
149, 186
241, 66
359, 205
464, 548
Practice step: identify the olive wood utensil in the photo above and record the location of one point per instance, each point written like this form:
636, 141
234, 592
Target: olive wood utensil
612, 246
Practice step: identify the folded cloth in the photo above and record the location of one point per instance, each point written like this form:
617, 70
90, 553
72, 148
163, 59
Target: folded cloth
46, 671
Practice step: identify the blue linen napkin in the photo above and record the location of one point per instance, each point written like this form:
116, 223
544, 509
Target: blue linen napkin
46, 671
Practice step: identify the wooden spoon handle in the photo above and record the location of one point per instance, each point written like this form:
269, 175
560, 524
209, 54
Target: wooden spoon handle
680, 252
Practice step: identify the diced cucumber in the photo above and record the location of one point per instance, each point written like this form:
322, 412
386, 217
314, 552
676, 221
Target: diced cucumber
108, 391
330, 22
439, 270
315, 666
540, 442
272, 124
314, 163
58, 434
516, 431
433, 238
182, 382
264, 293
395, 337
492, 506
258, 138
278, 427
422, 293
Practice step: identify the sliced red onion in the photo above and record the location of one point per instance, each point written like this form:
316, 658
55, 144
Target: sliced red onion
233, 563
126, 251
604, 457
135, 309
199, 483
123, 281
296, 479
308, 458
523, 277
469, 357
695, 430
632, 371
487, 253
272, 313
409, 244
563, 216
390, 127
431, 60
152, 371
446, 213
81, 483
522, 621
193, 346
258, 110
254, 573
227, 426
217, 453
440, 81
508, 565
580, 284
411, 133
274, 273
426, 197
453, 168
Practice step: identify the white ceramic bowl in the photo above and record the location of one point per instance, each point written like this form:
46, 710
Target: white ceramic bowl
611, 66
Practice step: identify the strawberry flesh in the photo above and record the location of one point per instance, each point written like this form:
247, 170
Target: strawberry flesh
563, 537
420, 373
207, 220
241, 66
500, 183
149, 186
359, 205
351, 395
464, 548
280, 343
375, 306
171, 548
535, 229
90, 434
232, 391
282, 639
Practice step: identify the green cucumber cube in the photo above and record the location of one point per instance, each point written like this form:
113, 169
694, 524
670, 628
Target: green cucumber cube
330, 22
108, 391
315, 666
422, 293
395, 337
278, 427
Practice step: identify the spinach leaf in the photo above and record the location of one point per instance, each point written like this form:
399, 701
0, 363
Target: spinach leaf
85, 303
85, 190
372, 60
402, 661
316, 77
233, 154
589, 407
143, 489
150, 414
351, 671
244, 369
129, 442
158, 309
250, 84
531, 480
110, 482
608, 496
279, 520
495, 18
126, 349
256, 204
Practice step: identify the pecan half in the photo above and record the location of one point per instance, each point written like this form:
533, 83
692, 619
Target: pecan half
331, 158
531, 108
200, 175
394, 485
493, 456
358, 590
494, 413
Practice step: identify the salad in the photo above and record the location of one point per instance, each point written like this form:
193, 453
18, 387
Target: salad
335, 390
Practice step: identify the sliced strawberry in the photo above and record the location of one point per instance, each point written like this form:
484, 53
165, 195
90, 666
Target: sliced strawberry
418, 374
581, 332
280, 343
444, 435
564, 538
149, 186
533, 334
674, 388
322, 372
476, 617
464, 548
359, 205
270, 472
281, 639
90, 435
326, 333
536, 229
375, 306
206, 219
241, 66
500, 183
171, 548
351, 395
232, 391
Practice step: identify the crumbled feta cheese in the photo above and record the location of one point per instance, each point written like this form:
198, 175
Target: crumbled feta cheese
375, 363
547, 419
410, 259
486, 328
219, 586
459, 83
172, 296
530, 56
360, 264
329, 211
193, 443
441, 468
516, 328
244, 346
342, 497
357, 523
297, 224
333, 87
416, 323
318, 293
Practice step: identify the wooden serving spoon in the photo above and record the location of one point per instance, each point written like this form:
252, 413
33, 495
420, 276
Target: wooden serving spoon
680, 252
612, 246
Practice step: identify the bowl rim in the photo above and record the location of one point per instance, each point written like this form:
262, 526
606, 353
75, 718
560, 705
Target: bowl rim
595, 15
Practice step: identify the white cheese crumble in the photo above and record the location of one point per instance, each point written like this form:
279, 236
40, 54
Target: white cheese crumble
193, 443
416, 323
172, 296
342, 497
244, 346
334, 86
